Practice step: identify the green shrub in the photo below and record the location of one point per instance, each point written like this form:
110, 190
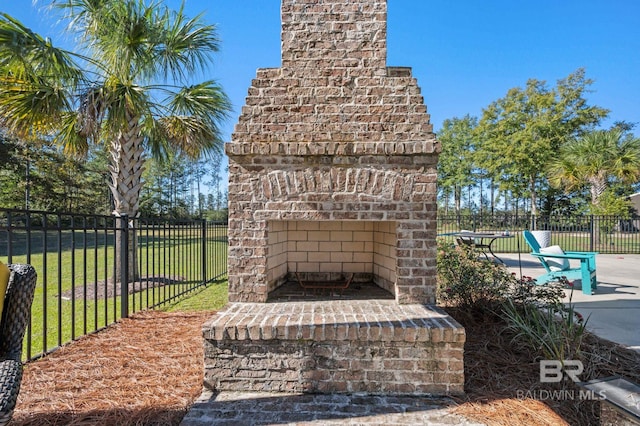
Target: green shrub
534, 314
468, 282
525, 291
552, 329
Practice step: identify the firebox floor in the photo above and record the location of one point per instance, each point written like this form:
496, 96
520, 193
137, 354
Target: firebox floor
292, 291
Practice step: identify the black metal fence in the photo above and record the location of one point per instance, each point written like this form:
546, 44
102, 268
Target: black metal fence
94, 270
604, 234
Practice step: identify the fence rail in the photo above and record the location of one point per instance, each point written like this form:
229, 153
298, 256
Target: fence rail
94, 270
604, 234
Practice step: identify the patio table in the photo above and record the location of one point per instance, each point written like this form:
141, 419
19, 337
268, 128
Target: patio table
472, 237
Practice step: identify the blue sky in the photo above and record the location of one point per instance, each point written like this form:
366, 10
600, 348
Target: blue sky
464, 53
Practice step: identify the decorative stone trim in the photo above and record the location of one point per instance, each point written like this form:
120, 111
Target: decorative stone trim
331, 148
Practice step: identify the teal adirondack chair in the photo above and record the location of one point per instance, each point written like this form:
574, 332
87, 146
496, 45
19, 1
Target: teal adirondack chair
557, 264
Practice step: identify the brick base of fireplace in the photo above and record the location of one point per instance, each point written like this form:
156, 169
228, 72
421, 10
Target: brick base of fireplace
375, 347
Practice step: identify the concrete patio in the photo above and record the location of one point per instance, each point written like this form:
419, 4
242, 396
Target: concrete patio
614, 308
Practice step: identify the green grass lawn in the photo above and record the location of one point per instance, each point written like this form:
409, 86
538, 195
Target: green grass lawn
212, 297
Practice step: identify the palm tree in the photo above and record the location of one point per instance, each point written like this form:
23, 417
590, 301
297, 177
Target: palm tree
127, 86
594, 160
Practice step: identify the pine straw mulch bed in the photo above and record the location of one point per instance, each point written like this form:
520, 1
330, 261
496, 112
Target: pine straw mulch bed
105, 289
147, 370
500, 375
144, 370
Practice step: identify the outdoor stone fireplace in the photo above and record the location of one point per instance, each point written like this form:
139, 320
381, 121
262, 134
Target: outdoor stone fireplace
332, 172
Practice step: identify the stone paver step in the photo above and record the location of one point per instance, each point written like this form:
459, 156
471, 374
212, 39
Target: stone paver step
262, 408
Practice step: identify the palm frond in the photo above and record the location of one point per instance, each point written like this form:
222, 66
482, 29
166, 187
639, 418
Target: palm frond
190, 135
31, 107
36, 80
83, 15
23, 52
70, 135
193, 118
186, 45
206, 99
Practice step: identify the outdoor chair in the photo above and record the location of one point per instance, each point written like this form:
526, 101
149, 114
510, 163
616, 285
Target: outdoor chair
556, 263
15, 317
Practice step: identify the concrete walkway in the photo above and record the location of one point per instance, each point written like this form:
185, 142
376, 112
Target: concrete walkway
614, 308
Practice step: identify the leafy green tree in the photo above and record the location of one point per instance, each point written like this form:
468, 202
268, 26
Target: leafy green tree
613, 210
455, 163
522, 132
12, 172
601, 161
596, 160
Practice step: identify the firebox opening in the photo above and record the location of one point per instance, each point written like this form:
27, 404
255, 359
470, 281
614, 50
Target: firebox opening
326, 250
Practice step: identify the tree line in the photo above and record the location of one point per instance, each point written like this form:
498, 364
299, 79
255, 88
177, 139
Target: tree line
538, 150
40, 176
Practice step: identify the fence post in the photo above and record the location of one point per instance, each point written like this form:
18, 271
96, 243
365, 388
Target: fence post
204, 251
9, 238
123, 228
591, 233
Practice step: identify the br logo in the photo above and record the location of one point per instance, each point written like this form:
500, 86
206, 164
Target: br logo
552, 371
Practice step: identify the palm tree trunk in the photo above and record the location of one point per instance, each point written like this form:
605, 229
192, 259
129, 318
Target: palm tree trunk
597, 188
126, 171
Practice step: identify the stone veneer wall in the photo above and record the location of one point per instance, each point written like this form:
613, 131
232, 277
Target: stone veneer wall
334, 134
370, 346
333, 138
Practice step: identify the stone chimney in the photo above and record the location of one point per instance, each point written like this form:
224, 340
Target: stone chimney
333, 145
334, 35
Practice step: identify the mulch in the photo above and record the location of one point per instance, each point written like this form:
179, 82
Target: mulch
108, 288
148, 370
144, 370
500, 374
